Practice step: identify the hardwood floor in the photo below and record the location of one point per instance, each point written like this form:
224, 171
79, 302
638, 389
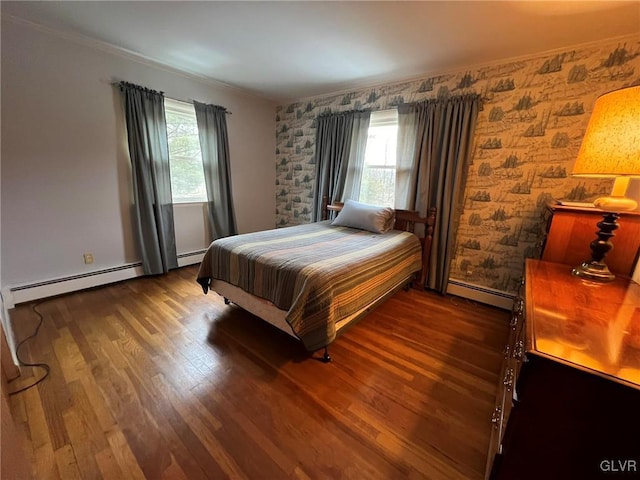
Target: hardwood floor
152, 379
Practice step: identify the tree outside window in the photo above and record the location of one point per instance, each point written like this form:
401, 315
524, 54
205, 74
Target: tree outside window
185, 158
379, 173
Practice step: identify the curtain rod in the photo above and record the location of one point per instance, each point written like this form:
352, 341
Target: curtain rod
117, 84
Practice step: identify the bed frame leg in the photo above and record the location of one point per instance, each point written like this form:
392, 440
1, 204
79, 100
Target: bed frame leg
326, 358
227, 301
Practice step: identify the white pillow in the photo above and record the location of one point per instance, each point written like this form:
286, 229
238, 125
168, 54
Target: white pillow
365, 217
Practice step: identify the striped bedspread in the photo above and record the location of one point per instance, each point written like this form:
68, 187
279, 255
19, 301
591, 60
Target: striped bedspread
317, 273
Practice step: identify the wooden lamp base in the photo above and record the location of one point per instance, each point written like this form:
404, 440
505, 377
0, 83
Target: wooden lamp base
596, 270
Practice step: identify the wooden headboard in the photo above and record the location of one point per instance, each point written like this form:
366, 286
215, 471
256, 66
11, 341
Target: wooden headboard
406, 220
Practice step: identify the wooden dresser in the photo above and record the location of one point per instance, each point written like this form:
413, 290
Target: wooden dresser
569, 231
568, 403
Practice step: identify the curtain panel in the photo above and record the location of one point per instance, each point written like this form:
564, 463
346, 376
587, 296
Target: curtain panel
149, 154
434, 151
214, 144
341, 140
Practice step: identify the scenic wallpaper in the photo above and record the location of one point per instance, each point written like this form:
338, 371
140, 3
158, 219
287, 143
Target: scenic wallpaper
527, 137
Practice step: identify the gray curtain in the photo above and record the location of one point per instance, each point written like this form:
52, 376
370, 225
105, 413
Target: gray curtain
341, 140
149, 153
214, 143
434, 151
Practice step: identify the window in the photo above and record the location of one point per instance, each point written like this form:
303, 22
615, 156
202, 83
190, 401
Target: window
185, 158
379, 172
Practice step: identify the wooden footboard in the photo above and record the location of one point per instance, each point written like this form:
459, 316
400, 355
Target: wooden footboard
406, 220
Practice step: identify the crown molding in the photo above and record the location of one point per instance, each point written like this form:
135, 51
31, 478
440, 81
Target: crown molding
131, 55
462, 69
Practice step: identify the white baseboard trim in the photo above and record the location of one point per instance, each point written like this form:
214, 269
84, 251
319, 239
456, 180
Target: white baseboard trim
190, 258
48, 288
73, 283
489, 296
5, 319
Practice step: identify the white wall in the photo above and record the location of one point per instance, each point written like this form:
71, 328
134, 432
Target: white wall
66, 186
4, 314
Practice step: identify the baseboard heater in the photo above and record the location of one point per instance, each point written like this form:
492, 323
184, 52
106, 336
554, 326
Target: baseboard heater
48, 288
489, 296
34, 291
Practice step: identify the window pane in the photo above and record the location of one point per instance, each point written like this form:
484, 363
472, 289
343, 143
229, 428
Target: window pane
378, 186
185, 159
379, 174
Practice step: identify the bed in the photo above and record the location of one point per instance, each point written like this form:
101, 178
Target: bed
312, 281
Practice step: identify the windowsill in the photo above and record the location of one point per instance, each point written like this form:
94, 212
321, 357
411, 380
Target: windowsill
192, 202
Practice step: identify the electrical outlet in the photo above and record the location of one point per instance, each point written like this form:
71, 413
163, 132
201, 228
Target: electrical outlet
88, 258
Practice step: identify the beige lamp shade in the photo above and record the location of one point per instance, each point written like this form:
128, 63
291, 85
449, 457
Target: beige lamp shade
611, 144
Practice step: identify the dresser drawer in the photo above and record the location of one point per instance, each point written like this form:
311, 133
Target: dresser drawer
566, 424
574, 403
513, 355
499, 422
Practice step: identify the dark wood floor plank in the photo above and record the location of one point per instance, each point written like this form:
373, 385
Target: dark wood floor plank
252, 449
367, 434
55, 401
45, 465
183, 444
152, 379
203, 426
123, 455
82, 444
108, 465
274, 407
39, 433
67, 463
143, 435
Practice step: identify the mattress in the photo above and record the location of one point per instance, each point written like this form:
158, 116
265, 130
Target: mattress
317, 273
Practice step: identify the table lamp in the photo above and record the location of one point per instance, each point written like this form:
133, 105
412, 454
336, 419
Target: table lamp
610, 149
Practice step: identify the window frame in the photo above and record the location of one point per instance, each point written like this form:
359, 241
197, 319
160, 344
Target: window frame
184, 109
380, 118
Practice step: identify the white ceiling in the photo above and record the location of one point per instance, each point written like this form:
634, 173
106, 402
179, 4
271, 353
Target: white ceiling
292, 50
